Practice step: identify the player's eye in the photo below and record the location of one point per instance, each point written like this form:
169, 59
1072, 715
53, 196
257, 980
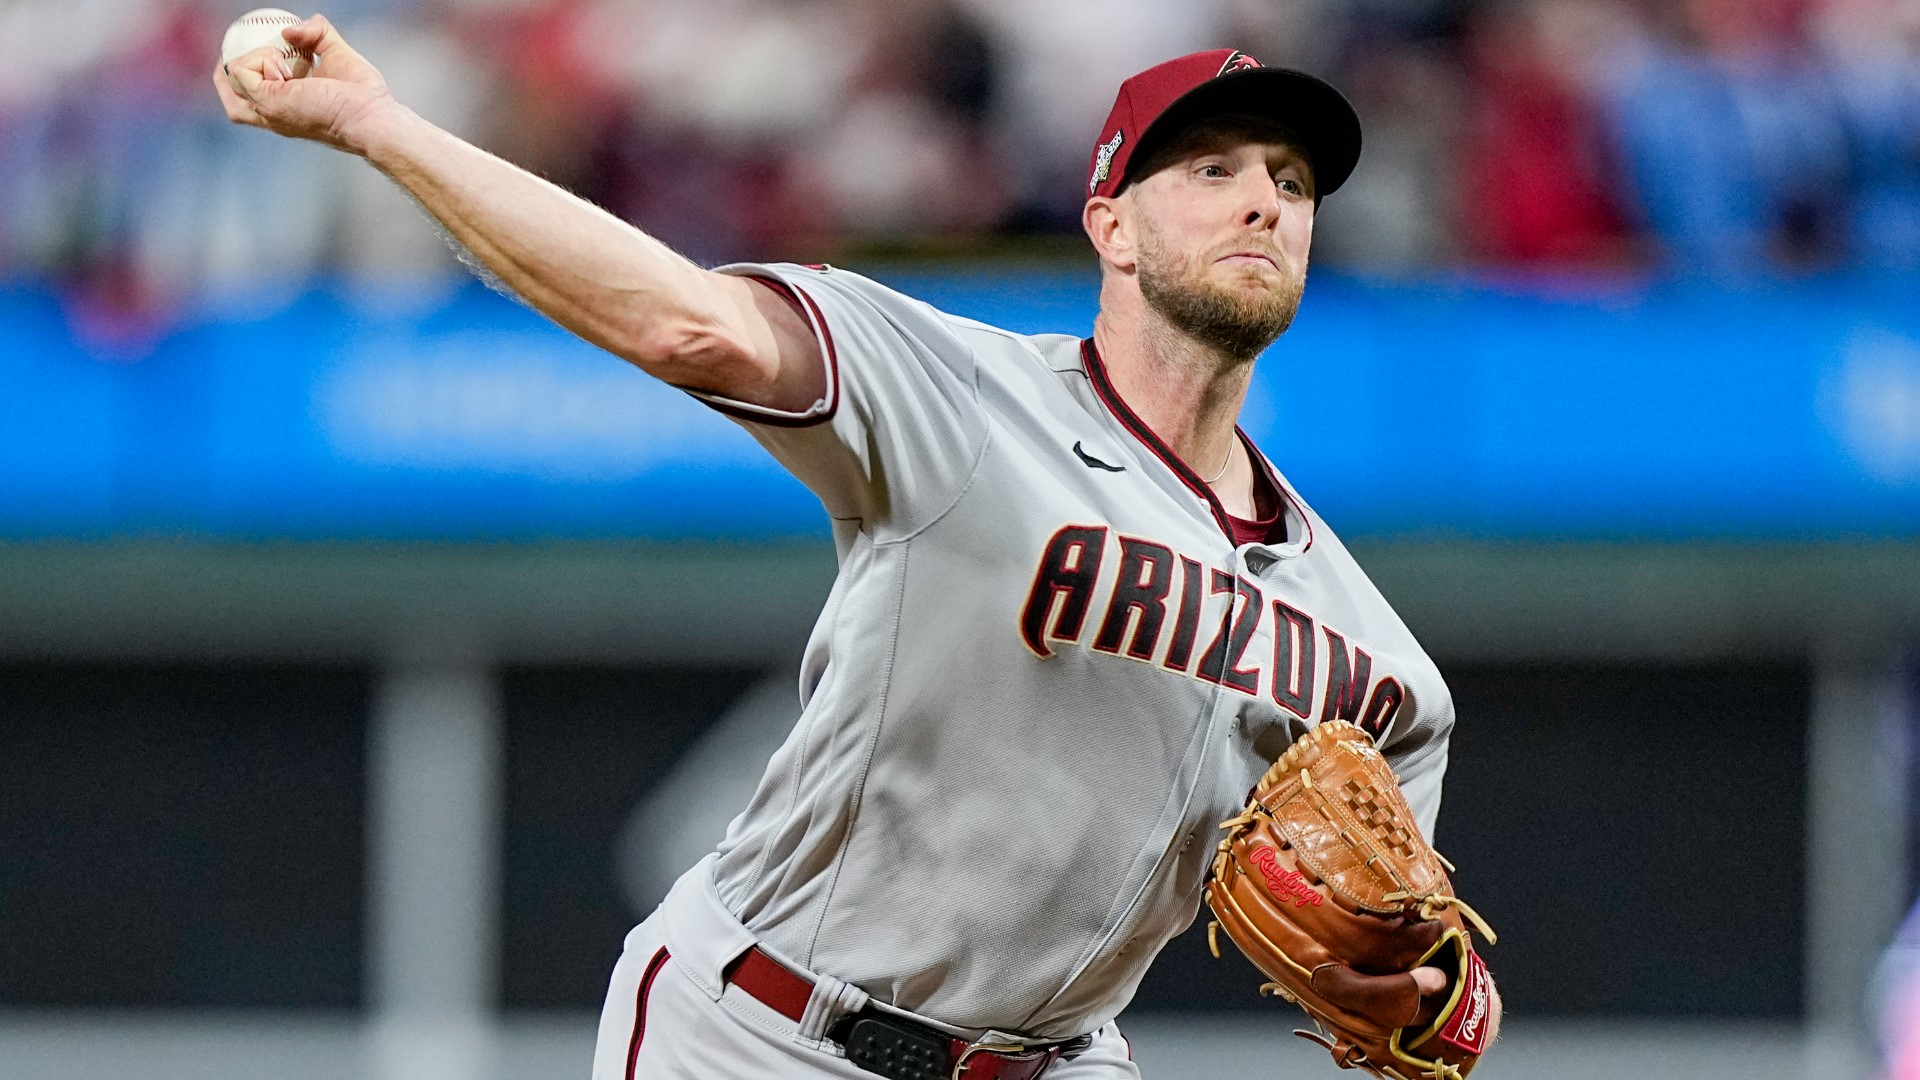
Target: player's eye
1213, 171
1291, 186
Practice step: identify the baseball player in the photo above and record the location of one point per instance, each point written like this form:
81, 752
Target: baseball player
1078, 612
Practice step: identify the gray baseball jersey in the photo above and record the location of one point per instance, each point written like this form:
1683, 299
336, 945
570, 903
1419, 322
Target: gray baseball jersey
1044, 675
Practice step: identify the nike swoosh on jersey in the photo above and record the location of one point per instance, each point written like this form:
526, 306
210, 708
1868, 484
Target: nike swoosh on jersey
1094, 462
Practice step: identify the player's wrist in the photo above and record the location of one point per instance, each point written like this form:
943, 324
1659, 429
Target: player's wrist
381, 131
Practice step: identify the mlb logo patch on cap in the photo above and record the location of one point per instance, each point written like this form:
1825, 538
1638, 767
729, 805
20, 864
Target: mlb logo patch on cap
1239, 61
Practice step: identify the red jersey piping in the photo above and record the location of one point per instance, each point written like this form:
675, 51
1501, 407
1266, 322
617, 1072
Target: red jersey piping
1103, 386
773, 417
640, 1009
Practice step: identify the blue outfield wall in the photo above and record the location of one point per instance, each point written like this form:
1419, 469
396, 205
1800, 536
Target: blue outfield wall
1624, 409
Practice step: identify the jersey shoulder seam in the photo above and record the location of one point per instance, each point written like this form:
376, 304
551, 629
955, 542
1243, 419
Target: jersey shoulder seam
1026, 341
973, 469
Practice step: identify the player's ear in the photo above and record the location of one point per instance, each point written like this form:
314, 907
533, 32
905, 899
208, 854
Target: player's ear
1109, 224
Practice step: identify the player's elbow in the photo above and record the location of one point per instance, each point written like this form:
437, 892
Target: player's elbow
699, 353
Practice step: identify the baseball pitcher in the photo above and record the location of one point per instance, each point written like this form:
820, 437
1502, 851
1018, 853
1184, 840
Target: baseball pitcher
1078, 617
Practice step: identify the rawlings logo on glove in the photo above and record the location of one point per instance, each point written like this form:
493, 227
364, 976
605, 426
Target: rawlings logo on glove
1285, 882
1468, 1028
1327, 885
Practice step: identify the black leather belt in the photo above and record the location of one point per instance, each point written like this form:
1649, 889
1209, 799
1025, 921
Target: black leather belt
894, 1046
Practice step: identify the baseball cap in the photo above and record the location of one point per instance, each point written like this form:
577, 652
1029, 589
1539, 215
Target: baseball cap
1160, 102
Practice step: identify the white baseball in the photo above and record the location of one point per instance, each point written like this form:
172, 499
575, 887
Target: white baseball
260, 28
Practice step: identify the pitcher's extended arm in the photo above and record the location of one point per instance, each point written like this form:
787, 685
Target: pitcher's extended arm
587, 270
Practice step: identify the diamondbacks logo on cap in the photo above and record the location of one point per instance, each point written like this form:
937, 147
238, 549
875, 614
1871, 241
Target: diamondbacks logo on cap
1103, 161
1239, 61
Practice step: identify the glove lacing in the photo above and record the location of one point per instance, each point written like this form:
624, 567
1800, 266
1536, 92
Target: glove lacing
1431, 906
1348, 1056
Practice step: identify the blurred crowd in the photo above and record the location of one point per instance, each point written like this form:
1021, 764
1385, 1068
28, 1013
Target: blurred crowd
1722, 136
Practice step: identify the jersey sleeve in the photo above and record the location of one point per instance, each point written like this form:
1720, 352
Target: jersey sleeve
899, 430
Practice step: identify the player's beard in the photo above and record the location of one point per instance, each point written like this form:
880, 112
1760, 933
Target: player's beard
1239, 323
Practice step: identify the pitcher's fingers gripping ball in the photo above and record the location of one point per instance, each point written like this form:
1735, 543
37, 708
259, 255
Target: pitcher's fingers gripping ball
1328, 886
266, 79
262, 28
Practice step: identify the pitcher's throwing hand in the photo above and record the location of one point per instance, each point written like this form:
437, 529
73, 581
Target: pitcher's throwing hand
331, 105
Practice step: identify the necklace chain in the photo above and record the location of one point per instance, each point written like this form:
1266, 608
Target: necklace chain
1223, 467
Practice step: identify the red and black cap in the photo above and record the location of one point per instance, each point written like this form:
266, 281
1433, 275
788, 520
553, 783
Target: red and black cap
1165, 99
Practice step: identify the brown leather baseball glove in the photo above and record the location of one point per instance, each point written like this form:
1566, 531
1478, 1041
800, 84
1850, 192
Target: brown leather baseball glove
1327, 885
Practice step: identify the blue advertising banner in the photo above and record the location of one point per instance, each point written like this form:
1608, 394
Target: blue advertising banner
1603, 410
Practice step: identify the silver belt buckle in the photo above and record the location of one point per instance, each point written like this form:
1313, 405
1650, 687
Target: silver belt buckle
983, 1046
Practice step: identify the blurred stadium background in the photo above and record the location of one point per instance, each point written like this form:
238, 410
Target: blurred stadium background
371, 654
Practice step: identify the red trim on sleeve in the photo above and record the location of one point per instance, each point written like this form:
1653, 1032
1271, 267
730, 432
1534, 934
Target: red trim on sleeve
782, 290
640, 1009
817, 321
